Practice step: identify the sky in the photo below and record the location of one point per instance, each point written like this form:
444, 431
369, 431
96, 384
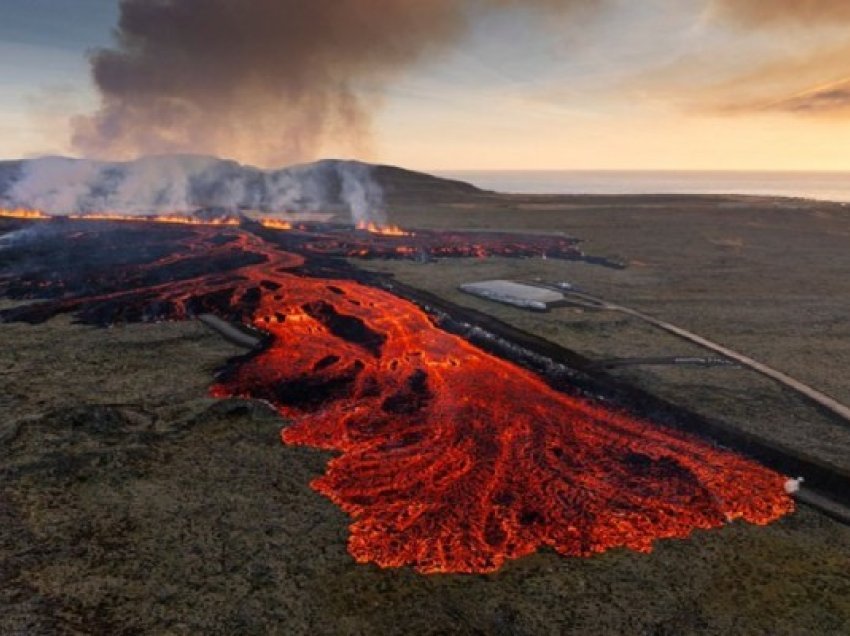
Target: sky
593, 84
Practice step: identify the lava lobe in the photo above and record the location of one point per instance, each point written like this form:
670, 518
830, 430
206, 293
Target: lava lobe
448, 459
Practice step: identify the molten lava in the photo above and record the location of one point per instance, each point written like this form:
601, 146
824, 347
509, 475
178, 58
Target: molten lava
174, 219
22, 213
276, 224
383, 230
449, 459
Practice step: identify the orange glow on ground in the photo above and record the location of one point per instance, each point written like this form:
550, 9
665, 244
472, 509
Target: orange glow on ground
453, 460
158, 218
22, 213
449, 459
383, 230
276, 224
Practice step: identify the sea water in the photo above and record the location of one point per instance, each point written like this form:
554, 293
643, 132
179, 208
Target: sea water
826, 186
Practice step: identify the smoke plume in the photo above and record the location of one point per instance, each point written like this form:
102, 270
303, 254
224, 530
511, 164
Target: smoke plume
187, 183
265, 81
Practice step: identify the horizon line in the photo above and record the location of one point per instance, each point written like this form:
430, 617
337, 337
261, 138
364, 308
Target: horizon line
467, 170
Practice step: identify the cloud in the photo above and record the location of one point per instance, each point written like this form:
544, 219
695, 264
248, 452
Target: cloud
783, 56
819, 100
772, 13
832, 99
265, 81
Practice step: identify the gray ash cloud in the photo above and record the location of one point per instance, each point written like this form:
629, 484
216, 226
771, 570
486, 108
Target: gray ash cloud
263, 81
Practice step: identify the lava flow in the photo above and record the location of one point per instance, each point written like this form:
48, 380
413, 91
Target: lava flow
385, 230
22, 213
449, 459
276, 224
174, 219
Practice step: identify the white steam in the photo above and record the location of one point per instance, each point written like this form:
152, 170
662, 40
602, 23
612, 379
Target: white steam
363, 195
793, 485
186, 183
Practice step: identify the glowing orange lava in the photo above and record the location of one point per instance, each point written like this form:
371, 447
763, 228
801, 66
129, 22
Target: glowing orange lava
452, 460
158, 218
276, 224
22, 213
383, 230
449, 459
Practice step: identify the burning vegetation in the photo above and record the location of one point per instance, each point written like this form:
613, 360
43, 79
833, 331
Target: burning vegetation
449, 459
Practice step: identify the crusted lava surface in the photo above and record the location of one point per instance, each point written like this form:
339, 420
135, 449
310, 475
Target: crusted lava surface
449, 459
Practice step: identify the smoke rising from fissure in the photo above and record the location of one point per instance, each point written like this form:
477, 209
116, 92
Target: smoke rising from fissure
265, 81
187, 183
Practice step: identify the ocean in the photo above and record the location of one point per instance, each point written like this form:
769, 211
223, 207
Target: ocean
825, 186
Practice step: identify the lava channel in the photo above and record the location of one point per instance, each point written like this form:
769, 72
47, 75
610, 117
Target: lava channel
448, 459
453, 460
